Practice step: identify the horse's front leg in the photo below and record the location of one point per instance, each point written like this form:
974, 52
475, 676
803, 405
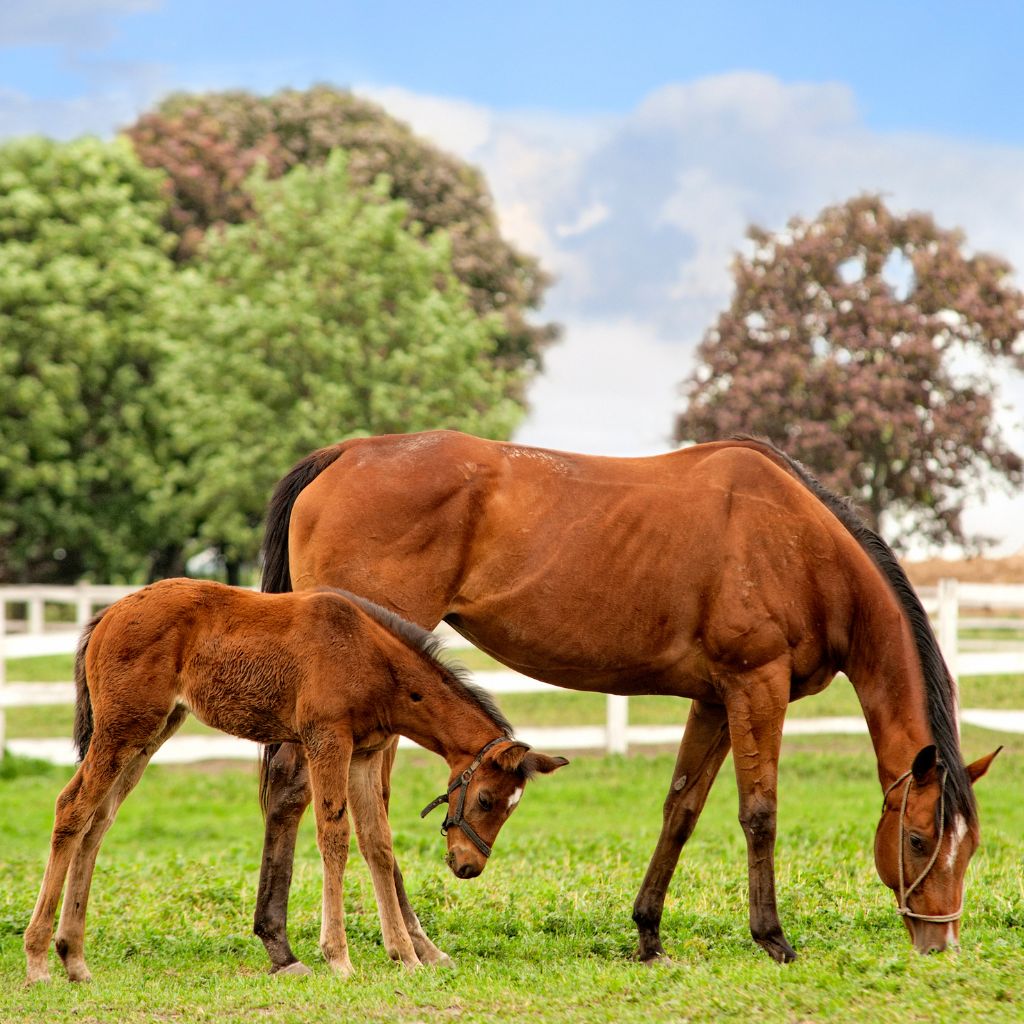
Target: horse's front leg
285, 785
427, 952
374, 832
328, 776
701, 753
756, 703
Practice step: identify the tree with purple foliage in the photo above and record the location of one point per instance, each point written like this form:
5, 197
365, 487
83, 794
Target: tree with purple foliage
868, 345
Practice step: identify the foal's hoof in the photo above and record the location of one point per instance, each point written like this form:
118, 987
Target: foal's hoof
442, 960
297, 968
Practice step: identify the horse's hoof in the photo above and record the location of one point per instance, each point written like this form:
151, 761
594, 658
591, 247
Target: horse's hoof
657, 960
778, 949
443, 960
297, 968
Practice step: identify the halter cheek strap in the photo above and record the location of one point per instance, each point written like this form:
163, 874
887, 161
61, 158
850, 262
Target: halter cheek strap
461, 784
905, 891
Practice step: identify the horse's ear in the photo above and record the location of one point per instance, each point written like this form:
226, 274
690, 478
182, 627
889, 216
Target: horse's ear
536, 763
924, 763
510, 758
979, 767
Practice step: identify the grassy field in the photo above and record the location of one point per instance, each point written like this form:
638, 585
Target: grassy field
545, 934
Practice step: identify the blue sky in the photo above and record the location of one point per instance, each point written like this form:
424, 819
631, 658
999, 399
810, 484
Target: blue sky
629, 146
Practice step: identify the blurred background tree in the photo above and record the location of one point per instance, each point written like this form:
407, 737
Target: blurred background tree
82, 246
863, 343
324, 315
209, 143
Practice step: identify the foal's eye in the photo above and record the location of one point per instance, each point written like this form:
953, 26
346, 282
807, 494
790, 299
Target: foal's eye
485, 802
917, 844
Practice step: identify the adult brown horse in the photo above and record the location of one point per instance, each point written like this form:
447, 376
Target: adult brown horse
723, 572
327, 670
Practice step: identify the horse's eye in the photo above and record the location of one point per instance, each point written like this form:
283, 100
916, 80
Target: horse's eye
485, 802
917, 844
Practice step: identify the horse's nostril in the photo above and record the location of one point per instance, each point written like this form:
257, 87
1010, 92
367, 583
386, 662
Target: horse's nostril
467, 871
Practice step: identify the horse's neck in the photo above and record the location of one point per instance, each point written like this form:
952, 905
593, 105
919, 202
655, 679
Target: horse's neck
450, 725
885, 670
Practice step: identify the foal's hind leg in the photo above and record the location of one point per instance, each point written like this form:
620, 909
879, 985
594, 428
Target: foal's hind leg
425, 949
756, 703
288, 797
70, 941
370, 817
76, 806
701, 753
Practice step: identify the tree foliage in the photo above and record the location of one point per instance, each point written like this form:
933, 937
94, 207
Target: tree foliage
208, 144
321, 317
81, 247
863, 342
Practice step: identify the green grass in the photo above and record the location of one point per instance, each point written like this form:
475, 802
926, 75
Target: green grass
545, 934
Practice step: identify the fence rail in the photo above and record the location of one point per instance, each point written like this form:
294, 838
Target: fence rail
1001, 607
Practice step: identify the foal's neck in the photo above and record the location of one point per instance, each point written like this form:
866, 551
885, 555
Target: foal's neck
885, 669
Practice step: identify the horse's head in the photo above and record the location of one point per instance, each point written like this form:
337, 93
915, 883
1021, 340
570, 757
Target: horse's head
482, 796
923, 847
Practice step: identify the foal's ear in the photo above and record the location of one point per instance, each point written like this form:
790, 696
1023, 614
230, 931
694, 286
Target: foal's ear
924, 762
536, 763
979, 767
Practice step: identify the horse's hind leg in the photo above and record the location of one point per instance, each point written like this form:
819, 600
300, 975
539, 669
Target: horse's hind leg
77, 804
701, 753
70, 941
370, 817
288, 796
427, 952
756, 704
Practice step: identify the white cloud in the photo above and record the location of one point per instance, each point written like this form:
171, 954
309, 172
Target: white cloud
67, 23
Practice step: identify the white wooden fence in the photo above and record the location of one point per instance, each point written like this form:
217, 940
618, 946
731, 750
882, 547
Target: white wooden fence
1001, 605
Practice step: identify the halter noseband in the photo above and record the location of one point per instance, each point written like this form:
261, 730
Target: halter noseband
461, 784
905, 892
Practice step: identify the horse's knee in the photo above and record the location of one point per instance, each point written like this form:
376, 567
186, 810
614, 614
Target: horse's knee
758, 820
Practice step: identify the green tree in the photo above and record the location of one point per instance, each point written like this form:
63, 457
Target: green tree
866, 344
208, 144
82, 246
324, 316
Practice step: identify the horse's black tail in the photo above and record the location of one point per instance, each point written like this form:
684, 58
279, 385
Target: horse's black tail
276, 570
276, 578
83, 702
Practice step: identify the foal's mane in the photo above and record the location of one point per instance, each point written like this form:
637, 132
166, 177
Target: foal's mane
432, 648
938, 684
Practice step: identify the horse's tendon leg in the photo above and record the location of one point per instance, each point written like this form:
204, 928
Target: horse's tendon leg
701, 753
374, 833
328, 775
70, 941
76, 806
756, 705
427, 952
289, 796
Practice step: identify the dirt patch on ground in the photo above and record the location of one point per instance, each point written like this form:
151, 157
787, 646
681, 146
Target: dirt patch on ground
969, 570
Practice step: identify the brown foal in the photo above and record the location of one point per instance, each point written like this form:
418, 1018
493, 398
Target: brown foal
325, 670
723, 572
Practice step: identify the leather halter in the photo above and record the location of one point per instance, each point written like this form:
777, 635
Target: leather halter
461, 784
905, 891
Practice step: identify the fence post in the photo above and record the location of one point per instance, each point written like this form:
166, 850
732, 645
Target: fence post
616, 741
36, 616
949, 614
3, 671
83, 605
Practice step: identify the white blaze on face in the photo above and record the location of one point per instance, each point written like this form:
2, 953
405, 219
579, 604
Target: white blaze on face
514, 799
956, 838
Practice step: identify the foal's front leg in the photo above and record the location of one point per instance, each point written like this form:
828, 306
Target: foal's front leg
756, 705
374, 833
328, 775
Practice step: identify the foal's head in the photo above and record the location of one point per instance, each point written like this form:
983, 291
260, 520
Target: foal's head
481, 798
922, 848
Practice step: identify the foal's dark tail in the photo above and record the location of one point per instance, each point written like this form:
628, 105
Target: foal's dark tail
276, 570
83, 702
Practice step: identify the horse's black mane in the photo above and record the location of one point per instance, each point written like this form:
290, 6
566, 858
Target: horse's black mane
939, 687
432, 648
